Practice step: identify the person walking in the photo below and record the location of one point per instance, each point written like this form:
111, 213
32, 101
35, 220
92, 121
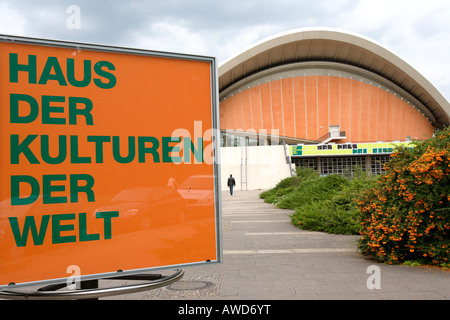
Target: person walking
231, 183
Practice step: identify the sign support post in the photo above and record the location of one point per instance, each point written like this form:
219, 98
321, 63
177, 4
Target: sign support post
90, 291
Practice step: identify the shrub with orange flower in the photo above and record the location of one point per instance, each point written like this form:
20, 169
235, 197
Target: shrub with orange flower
406, 216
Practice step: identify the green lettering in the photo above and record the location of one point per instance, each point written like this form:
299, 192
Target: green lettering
86, 188
143, 150
74, 157
47, 109
57, 228
166, 149
98, 68
131, 150
15, 67
107, 216
22, 148
86, 73
45, 150
14, 108
86, 111
189, 146
48, 188
84, 236
21, 238
99, 140
16, 200
52, 64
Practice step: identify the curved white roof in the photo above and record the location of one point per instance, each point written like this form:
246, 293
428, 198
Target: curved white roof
335, 46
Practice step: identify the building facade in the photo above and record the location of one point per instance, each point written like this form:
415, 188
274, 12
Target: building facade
326, 89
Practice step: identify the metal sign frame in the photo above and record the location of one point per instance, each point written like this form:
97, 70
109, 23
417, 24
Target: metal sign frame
96, 48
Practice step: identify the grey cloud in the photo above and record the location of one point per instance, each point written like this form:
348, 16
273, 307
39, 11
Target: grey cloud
221, 28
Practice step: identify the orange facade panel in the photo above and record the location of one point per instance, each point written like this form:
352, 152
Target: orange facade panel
244, 101
345, 98
266, 108
355, 111
311, 108
300, 107
382, 116
288, 107
366, 91
391, 115
304, 107
373, 110
323, 103
277, 106
255, 101
335, 105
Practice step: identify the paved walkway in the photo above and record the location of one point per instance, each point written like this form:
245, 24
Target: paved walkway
266, 257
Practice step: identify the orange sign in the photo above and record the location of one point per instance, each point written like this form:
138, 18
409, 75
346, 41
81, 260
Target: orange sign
93, 173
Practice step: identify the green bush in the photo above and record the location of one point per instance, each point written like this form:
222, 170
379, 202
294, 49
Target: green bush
336, 211
324, 218
406, 216
312, 190
287, 185
283, 187
326, 204
306, 173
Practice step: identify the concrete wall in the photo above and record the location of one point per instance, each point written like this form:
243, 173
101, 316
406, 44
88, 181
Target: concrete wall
262, 166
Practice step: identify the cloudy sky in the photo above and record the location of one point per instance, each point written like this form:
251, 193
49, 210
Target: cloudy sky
416, 30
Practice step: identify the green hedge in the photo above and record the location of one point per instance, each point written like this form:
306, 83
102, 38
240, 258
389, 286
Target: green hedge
326, 204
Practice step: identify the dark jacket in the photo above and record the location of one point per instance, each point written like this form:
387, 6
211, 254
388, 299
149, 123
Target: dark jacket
231, 182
